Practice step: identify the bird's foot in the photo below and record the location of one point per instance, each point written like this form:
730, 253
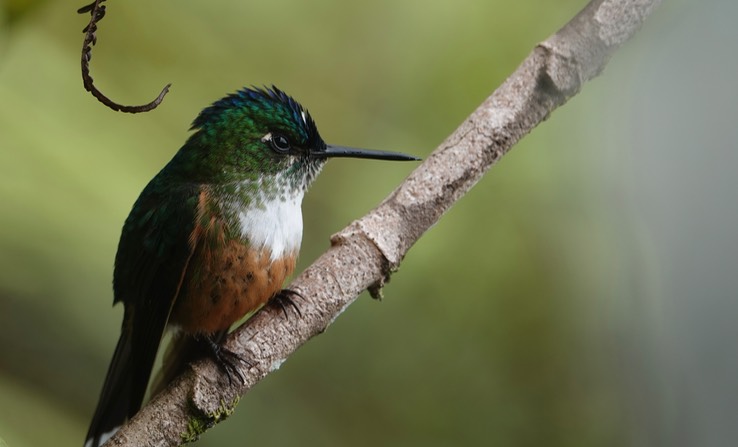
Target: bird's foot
284, 299
227, 360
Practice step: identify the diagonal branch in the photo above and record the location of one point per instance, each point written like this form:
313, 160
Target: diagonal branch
97, 12
364, 254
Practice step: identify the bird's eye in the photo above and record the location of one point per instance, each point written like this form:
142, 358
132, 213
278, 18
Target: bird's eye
280, 143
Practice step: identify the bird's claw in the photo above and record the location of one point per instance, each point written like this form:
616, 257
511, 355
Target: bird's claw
284, 298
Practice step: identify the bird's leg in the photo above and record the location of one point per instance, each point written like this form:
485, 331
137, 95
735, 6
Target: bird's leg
284, 298
226, 359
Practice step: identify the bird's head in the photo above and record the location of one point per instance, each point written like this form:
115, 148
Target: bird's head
258, 132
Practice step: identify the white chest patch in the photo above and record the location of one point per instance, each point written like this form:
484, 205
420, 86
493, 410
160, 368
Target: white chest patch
276, 226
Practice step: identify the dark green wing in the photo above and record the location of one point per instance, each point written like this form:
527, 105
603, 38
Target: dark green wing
152, 257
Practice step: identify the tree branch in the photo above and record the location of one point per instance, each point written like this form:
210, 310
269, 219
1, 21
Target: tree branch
364, 254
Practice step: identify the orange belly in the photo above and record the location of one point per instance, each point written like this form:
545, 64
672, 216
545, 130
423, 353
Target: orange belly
221, 287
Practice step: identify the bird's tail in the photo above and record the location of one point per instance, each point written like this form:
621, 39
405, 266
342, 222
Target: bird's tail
183, 349
177, 355
118, 399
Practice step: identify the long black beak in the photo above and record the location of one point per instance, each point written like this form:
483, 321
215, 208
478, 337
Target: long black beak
355, 152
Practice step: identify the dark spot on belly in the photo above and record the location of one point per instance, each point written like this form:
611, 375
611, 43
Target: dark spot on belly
214, 296
249, 277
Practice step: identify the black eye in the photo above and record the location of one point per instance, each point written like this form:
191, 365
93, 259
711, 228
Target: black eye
280, 143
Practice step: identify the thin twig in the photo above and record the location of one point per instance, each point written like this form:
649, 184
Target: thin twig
97, 12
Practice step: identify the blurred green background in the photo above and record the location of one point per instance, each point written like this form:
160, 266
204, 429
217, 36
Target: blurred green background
583, 294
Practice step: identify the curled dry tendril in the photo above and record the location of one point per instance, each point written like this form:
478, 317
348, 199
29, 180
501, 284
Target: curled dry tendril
97, 12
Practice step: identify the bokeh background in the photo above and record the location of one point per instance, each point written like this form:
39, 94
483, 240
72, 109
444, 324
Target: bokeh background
583, 294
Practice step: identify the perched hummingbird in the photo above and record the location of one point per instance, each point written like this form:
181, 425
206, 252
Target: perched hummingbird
211, 238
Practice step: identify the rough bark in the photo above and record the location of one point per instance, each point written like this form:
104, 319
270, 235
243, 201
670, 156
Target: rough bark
364, 254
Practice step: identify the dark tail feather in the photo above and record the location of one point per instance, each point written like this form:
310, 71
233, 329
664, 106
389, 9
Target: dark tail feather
183, 349
122, 393
177, 355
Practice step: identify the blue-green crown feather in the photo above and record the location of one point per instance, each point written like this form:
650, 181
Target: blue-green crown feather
269, 102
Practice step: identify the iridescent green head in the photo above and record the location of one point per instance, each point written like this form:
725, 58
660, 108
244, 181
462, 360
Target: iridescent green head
259, 132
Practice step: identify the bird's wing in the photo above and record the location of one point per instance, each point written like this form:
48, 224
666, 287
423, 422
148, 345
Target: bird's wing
151, 262
150, 265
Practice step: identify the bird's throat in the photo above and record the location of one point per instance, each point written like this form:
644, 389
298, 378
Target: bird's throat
273, 224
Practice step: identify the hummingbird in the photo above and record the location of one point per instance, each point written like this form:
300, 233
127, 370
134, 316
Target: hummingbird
210, 239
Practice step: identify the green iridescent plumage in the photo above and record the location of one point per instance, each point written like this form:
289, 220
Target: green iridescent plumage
227, 144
